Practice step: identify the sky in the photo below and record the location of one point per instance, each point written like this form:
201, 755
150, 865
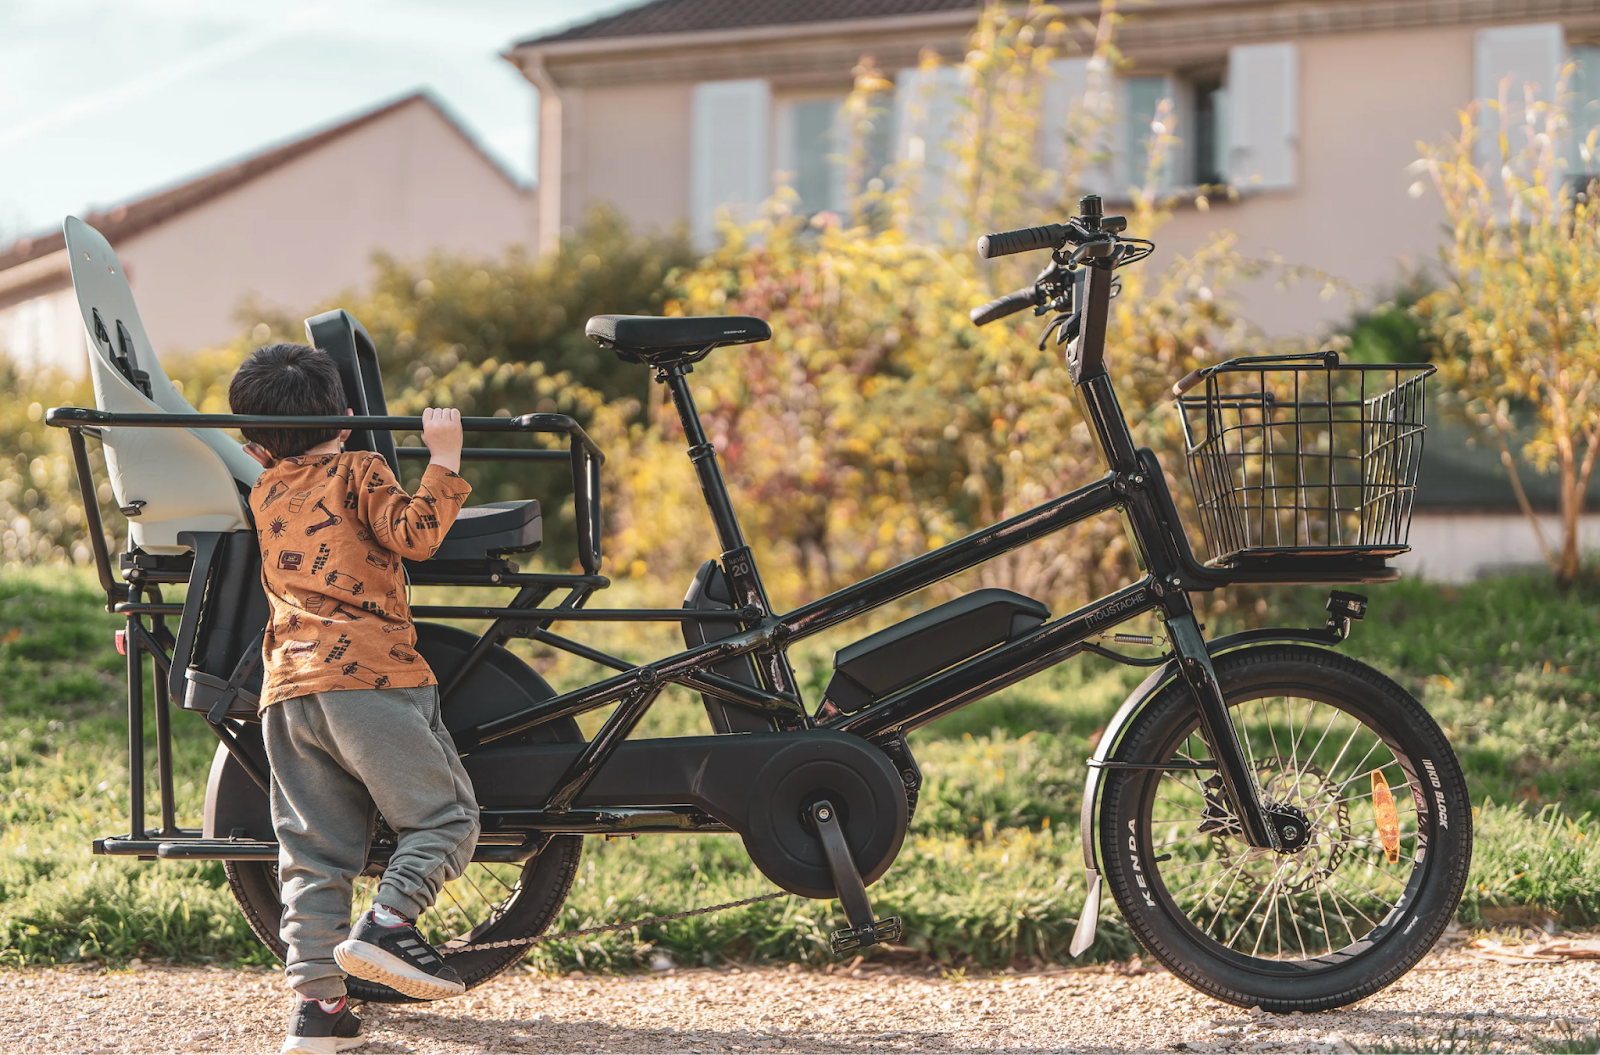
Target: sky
103, 101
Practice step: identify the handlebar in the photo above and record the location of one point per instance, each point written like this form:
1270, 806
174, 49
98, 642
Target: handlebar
1009, 304
1050, 236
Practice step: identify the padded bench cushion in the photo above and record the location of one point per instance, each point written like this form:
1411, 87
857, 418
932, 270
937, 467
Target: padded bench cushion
492, 529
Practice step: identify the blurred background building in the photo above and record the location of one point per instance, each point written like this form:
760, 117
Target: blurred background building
1312, 109
293, 224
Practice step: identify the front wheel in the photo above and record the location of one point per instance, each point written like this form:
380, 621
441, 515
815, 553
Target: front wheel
1362, 900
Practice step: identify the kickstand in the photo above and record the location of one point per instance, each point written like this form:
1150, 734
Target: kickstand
864, 930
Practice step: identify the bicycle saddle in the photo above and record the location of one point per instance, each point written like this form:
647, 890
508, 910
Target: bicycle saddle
659, 341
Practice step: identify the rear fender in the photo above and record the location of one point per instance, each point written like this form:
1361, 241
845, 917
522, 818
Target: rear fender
1159, 678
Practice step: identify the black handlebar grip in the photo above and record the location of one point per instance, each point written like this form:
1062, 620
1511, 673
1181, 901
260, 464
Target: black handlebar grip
1050, 236
1000, 307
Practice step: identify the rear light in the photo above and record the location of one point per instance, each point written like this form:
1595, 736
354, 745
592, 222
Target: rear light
122, 642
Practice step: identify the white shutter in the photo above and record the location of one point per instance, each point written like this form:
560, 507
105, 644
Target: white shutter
1264, 116
1527, 55
729, 155
926, 110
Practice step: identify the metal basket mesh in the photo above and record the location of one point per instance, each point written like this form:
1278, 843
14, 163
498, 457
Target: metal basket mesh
1305, 458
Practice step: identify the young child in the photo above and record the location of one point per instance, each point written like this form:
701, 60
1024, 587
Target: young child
349, 710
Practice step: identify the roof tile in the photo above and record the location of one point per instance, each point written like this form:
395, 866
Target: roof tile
689, 16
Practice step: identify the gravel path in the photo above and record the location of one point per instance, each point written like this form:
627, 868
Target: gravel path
1114, 1009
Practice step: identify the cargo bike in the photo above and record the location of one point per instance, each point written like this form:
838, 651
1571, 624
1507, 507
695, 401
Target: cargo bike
1278, 824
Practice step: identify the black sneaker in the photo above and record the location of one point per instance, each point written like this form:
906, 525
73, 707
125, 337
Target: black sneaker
315, 1030
399, 957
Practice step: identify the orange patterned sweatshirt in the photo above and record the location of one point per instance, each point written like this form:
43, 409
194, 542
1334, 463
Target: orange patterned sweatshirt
333, 529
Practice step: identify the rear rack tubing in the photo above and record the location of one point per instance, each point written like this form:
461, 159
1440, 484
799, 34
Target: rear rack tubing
136, 827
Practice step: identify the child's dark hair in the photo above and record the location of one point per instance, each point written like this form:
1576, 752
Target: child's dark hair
287, 379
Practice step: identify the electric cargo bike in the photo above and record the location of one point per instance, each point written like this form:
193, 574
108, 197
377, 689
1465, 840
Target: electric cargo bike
1280, 825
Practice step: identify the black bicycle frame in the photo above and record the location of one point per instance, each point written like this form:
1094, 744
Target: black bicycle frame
1134, 485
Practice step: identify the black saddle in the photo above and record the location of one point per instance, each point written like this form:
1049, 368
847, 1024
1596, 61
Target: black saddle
663, 341
480, 532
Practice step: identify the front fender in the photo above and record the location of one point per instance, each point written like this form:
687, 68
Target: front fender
1083, 937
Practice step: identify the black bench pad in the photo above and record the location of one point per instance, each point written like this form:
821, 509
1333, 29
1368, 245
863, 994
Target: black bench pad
493, 529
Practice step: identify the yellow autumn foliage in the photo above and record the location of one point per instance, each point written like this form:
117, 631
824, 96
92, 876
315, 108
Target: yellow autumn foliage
1516, 315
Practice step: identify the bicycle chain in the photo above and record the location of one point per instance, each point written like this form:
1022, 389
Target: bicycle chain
458, 950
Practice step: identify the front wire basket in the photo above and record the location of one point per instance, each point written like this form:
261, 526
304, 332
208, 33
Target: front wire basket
1300, 456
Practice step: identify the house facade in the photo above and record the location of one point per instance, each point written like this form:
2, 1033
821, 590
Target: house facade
1312, 110
287, 227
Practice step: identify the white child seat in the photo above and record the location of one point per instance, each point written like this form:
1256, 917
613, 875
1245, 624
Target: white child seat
165, 480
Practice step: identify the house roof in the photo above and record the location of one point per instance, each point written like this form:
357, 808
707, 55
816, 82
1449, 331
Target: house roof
691, 16
132, 217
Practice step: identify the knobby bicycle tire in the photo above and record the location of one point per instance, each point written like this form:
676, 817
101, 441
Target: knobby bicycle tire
1379, 879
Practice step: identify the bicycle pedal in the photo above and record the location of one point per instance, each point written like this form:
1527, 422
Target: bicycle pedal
880, 932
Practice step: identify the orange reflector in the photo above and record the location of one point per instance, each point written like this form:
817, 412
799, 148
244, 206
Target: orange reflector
1388, 818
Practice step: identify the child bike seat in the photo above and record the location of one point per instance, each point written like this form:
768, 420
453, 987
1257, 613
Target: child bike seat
480, 532
165, 481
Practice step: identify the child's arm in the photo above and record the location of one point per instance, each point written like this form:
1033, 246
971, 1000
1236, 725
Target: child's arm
414, 527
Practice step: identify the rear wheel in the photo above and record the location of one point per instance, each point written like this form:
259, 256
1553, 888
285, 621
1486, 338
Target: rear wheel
1366, 895
489, 902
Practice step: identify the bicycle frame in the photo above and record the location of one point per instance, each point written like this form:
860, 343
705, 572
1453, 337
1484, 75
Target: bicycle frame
1134, 485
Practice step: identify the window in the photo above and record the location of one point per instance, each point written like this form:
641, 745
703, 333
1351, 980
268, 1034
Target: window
1236, 123
1210, 131
1583, 102
1142, 102
730, 168
815, 151
816, 148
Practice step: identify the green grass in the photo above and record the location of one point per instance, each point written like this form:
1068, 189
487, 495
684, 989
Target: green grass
991, 872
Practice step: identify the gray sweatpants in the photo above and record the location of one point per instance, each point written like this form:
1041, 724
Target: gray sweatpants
336, 757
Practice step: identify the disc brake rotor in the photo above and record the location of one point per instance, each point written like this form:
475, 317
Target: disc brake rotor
1307, 788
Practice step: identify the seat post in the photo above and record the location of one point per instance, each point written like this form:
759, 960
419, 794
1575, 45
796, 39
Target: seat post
738, 563
704, 456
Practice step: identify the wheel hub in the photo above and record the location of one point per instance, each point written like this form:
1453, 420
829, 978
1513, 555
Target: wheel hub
1291, 826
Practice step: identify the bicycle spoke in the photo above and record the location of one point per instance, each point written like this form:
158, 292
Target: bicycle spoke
1303, 905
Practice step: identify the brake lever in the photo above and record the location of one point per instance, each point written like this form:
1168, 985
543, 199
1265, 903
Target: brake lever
1065, 327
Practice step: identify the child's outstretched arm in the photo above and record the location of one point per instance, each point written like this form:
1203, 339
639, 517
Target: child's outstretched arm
415, 526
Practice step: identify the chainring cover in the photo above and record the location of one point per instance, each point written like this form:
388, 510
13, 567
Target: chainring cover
860, 782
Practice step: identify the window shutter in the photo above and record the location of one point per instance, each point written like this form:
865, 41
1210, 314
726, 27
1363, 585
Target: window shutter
1264, 116
1528, 55
926, 109
729, 155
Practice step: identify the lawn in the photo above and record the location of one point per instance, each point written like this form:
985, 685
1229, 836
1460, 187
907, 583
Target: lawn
991, 873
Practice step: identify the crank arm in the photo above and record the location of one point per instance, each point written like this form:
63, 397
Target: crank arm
864, 929
1216, 724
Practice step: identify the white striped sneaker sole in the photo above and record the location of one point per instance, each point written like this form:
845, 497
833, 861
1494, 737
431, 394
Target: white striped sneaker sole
320, 1045
368, 961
